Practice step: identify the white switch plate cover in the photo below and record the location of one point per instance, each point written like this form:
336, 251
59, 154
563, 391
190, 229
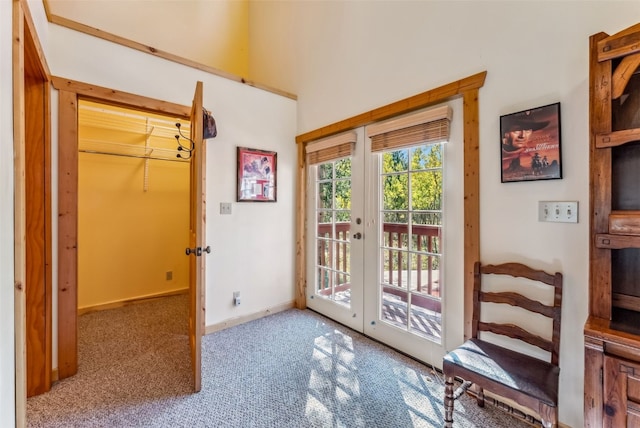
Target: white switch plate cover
558, 211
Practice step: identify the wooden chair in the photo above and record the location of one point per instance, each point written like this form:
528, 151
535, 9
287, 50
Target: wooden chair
529, 381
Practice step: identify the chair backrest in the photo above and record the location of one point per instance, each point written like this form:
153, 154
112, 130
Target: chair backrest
518, 270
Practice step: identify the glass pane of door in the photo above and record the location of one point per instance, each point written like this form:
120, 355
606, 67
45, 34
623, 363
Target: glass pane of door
335, 240
333, 214
410, 246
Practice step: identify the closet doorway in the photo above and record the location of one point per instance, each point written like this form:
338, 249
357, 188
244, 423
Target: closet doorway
70, 95
133, 206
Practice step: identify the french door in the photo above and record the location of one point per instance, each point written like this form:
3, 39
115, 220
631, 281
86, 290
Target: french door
375, 243
403, 258
335, 227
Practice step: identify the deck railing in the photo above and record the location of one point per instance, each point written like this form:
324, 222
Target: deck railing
425, 291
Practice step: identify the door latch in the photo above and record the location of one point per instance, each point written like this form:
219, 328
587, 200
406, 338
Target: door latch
197, 251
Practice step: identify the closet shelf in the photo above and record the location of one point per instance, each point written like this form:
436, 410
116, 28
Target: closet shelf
128, 150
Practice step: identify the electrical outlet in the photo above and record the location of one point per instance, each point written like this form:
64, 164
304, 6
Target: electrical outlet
168, 275
225, 208
558, 211
236, 298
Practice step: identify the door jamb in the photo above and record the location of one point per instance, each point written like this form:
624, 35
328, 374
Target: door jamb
31, 124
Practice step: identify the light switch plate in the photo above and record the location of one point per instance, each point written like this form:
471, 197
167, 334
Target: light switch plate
225, 207
558, 211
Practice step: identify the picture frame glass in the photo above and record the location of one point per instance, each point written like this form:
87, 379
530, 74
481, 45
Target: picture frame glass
530, 146
257, 175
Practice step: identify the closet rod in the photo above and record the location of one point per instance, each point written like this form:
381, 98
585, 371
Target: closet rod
97, 152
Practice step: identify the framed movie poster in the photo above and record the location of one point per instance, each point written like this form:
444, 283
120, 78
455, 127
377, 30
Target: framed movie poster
530, 144
256, 175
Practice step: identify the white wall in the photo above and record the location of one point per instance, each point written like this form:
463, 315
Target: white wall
253, 249
344, 58
7, 367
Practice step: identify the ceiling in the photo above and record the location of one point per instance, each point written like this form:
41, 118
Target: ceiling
213, 33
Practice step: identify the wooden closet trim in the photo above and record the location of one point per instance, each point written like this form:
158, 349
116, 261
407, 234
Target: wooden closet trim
120, 98
70, 92
466, 88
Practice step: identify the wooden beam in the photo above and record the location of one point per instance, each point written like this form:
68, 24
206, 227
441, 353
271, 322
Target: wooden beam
424, 99
120, 98
301, 233
471, 200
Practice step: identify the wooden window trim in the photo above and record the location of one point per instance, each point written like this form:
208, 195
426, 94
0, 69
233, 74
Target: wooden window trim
466, 88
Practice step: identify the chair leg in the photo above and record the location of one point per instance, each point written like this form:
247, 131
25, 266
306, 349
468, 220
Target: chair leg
548, 416
480, 396
448, 402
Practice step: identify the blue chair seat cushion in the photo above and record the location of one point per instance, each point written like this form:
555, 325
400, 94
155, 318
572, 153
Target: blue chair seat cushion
523, 373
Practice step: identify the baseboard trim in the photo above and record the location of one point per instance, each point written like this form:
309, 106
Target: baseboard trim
133, 301
246, 318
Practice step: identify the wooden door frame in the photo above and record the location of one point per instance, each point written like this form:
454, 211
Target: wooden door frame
467, 89
70, 92
32, 211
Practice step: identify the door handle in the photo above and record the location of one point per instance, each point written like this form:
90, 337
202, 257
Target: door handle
357, 235
197, 251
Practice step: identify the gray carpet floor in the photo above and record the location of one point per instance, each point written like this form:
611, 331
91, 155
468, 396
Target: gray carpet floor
292, 369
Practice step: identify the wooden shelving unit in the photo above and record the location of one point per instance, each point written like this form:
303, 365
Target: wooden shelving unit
612, 331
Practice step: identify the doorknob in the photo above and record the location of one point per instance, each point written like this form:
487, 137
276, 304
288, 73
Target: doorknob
357, 235
197, 251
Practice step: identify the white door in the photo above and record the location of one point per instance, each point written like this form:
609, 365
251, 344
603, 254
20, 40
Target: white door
335, 229
403, 275
394, 289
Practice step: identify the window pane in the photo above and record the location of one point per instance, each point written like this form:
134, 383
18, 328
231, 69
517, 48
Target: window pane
394, 307
343, 168
426, 190
395, 191
396, 161
325, 171
343, 217
431, 218
426, 157
343, 195
325, 195
325, 228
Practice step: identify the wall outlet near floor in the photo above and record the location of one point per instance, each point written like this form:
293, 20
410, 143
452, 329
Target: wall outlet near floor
168, 275
558, 211
236, 298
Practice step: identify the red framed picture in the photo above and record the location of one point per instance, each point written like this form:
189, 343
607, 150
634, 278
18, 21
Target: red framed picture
530, 144
257, 170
